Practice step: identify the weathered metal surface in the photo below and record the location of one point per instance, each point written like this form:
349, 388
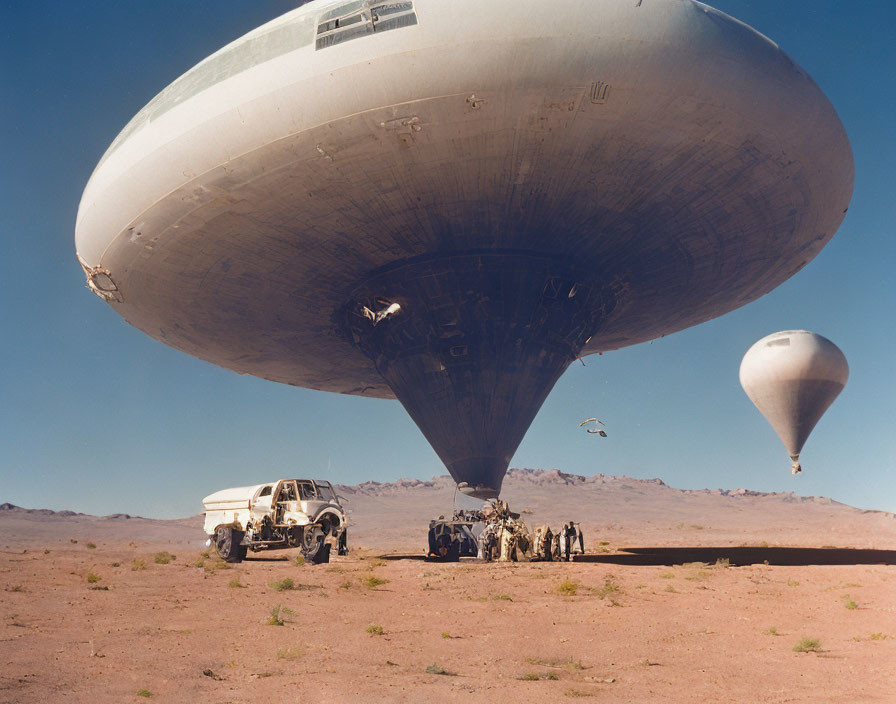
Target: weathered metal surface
478, 342
666, 149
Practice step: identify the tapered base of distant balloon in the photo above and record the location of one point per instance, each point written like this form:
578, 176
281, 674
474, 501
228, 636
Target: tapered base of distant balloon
474, 344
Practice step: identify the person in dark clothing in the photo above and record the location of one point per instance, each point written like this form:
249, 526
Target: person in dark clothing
548, 544
569, 532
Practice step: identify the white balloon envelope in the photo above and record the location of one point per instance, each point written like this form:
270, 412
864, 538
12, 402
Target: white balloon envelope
792, 377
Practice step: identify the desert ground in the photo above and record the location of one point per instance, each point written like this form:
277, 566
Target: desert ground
682, 596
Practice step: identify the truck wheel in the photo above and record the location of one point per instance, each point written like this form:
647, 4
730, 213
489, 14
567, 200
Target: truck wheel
313, 546
227, 544
445, 548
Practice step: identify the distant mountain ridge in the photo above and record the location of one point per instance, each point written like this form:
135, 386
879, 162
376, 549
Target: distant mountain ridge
556, 477
517, 478
62, 514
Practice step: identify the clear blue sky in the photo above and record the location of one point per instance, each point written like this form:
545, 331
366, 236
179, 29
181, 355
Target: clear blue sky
96, 416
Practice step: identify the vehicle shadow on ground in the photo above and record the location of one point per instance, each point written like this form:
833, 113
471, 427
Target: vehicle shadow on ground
790, 557
738, 556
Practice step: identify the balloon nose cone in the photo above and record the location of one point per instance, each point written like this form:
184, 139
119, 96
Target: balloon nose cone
792, 377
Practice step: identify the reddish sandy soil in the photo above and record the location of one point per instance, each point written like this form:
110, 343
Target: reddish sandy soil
645, 624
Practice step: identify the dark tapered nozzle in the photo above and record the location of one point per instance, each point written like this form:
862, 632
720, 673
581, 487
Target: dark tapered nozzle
476, 345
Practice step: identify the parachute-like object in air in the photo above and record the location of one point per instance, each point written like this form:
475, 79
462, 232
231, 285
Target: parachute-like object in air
595, 430
793, 377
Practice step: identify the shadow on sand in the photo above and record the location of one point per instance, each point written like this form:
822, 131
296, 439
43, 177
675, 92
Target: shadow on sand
666, 556
790, 557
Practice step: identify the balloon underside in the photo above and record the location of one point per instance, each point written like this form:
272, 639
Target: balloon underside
503, 187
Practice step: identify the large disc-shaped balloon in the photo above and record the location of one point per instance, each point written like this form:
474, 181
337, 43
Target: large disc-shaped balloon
793, 377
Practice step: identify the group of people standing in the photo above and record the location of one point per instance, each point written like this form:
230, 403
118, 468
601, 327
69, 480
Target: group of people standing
560, 545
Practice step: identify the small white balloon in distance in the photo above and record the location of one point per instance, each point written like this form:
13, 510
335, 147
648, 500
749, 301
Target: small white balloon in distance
792, 377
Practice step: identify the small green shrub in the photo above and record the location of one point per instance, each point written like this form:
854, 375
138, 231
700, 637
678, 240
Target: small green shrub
568, 587
93, 578
144, 693
91, 546
372, 581
502, 597
235, 583
578, 693
436, 670
138, 564
300, 560
699, 576
565, 663
878, 636
807, 645
276, 618
850, 604
610, 587
668, 575
792, 583
772, 631
375, 629
534, 676
283, 585
164, 557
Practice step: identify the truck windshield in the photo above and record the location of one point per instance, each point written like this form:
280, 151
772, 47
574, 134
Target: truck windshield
325, 491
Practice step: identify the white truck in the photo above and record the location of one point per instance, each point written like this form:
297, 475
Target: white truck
288, 513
